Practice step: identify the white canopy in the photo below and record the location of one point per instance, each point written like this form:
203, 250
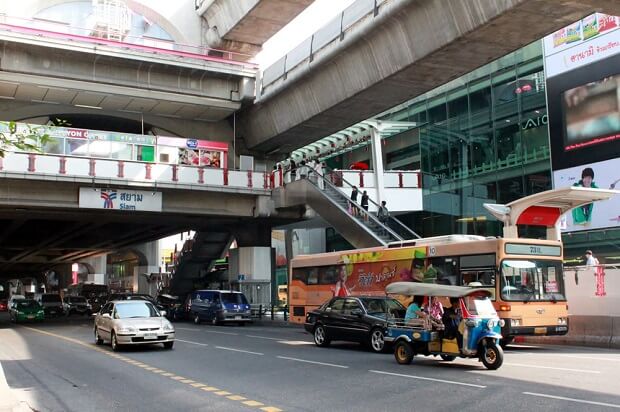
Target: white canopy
431, 289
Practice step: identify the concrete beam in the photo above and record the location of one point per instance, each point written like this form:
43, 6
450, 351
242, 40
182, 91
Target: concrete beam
411, 47
244, 25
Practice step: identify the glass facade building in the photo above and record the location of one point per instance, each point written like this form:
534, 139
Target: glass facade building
482, 139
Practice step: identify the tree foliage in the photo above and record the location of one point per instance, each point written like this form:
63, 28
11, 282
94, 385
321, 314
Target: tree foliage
24, 137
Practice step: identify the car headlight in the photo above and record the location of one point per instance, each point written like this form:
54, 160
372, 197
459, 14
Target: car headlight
515, 322
126, 329
502, 323
491, 323
168, 327
41, 312
562, 321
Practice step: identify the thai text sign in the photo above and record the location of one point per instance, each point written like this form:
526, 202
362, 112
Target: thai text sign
120, 199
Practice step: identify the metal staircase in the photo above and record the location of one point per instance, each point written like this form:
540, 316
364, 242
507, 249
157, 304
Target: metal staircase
363, 230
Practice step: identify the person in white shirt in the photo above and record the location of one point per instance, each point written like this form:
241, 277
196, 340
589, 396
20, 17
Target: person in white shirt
590, 259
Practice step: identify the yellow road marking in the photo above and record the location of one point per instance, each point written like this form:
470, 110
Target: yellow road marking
210, 389
252, 403
160, 371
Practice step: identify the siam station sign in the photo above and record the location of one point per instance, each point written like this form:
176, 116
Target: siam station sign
120, 199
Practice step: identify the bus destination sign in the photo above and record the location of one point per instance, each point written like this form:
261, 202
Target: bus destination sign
529, 249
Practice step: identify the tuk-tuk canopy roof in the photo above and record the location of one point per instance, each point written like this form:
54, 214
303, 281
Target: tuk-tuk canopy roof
431, 289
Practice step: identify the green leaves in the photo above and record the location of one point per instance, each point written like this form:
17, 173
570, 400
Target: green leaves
25, 137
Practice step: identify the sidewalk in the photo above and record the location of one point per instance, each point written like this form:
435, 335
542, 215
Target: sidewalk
8, 401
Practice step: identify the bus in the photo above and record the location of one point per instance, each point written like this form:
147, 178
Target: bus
524, 276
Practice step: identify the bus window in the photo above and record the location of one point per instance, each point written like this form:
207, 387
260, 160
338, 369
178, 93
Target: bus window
313, 276
446, 270
301, 274
531, 280
328, 275
486, 277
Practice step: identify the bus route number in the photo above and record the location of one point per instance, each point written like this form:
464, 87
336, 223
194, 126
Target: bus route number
535, 250
432, 251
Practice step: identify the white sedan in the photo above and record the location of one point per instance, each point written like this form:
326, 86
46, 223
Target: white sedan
132, 322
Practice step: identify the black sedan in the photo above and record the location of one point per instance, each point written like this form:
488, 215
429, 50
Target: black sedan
356, 319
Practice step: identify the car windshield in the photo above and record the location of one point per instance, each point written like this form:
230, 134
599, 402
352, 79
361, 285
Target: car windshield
50, 298
78, 299
532, 280
26, 304
374, 305
480, 306
234, 298
136, 310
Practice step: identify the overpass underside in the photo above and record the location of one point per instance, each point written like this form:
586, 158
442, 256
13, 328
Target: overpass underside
409, 47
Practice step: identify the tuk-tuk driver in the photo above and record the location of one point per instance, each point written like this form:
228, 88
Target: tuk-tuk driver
452, 317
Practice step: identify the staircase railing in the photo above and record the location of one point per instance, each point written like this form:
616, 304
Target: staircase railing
403, 231
315, 178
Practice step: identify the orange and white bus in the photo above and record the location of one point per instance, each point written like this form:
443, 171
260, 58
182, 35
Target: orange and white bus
525, 276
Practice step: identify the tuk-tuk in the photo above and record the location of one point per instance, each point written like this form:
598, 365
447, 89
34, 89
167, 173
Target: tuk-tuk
474, 319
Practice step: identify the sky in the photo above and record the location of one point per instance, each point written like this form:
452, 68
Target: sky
303, 26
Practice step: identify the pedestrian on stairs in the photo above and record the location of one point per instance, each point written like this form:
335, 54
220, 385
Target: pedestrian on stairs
365, 205
383, 215
353, 205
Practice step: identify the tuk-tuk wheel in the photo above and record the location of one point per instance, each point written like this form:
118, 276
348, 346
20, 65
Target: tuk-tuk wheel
492, 356
448, 358
403, 352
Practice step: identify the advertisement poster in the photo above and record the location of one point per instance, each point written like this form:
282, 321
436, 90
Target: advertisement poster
368, 273
602, 214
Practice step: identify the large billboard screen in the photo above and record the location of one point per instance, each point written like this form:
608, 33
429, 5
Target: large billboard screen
582, 67
603, 214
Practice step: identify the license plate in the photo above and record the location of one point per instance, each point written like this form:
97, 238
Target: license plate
52, 312
237, 317
150, 336
540, 331
30, 316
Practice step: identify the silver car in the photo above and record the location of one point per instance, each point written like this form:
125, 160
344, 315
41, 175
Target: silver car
132, 322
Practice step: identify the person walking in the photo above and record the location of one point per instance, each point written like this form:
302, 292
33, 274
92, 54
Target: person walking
293, 170
590, 259
353, 206
365, 205
383, 215
303, 170
318, 173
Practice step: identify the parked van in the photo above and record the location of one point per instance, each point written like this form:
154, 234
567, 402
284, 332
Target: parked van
219, 306
51, 302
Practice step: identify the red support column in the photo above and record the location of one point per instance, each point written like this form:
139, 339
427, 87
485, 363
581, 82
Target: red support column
225, 177
175, 173
250, 178
91, 167
361, 179
62, 169
147, 174
400, 179
201, 175
121, 168
31, 160
420, 180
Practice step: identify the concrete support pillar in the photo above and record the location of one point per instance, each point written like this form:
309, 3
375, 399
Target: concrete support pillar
377, 162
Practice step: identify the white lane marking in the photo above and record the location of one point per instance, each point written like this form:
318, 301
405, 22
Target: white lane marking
262, 337
313, 362
551, 367
192, 343
296, 342
428, 379
590, 358
209, 331
542, 395
240, 350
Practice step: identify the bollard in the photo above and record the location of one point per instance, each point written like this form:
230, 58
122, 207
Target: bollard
272, 311
260, 311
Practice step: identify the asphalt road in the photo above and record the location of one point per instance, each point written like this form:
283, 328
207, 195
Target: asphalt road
55, 366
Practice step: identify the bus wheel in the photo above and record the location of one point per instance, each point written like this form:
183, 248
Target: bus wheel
448, 358
320, 336
403, 352
492, 356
